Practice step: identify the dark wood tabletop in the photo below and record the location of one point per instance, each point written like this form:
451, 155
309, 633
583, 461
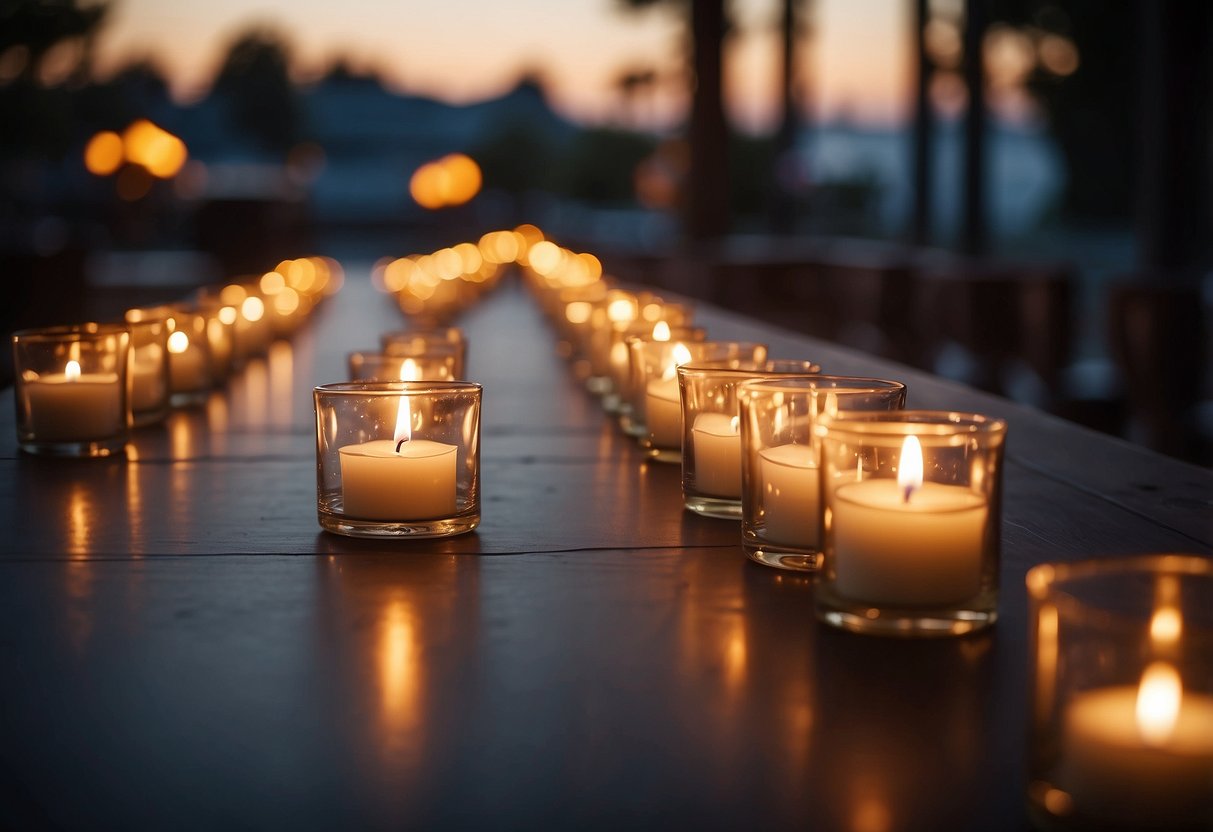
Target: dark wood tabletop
182, 647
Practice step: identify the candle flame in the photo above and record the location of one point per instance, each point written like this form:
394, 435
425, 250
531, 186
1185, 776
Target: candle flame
621, 310
408, 370
661, 331
735, 424
404, 423
72, 370
909, 470
680, 355
227, 314
252, 308
1158, 698
178, 342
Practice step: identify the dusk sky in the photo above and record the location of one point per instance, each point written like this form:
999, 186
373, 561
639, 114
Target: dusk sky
464, 50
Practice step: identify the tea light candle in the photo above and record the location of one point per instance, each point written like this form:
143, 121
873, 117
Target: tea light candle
147, 377
187, 365
907, 542
1140, 757
400, 479
791, 495
663, 403
74, 406
717, 448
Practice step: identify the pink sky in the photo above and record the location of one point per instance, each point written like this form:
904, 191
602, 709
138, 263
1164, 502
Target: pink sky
463, 50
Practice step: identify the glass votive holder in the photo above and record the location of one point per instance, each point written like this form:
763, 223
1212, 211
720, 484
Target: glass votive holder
711, 429
148, 373
71, 389
1122, 694
398, 459
649, 356
418, 342
657, 400
435, 364
781, 459
189, 357
911, 513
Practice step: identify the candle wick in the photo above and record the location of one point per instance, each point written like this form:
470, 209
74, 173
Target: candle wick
406, 439
909, 489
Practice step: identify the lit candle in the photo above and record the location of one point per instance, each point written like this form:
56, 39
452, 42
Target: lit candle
187, 364
74, 406
663, 405
1140, 757
907, 542
717, 447
400, 479
791, 495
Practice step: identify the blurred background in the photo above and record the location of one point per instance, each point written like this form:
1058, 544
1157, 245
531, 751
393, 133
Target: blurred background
1011, 193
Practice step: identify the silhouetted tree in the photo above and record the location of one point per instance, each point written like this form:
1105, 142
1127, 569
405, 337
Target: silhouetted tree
255, 82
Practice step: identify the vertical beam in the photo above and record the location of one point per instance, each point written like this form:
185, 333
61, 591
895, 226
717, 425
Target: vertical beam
974, 231
1175, 173
707, 192
783, 214
920, 220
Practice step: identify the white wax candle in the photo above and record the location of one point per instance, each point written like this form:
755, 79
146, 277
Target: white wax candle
147, 377
187, 364
791, 495
663, 413
70, 407
924, 551
416, 483
1118, 776
717, 449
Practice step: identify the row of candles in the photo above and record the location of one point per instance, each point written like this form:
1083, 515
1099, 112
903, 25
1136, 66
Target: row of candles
81, 387
896, 513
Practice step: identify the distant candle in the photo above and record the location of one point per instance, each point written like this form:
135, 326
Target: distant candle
1140, 757
907, 542
791, 495
401, 479
717, 449
663, 403
147, 377
74, 406
187, 364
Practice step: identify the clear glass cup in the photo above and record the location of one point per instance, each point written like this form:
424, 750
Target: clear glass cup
649, 355
415, 343
911, 516
657, 401
711, 429
435, 363
781, 457
189, 357
148, 373
398, 459
71, 389
1121, 661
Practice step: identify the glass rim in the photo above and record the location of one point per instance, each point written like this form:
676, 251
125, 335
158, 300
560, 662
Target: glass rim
1045, 579
401, 334
721, 367
921, 423
801, 383
57, 332
649, 339
396, 388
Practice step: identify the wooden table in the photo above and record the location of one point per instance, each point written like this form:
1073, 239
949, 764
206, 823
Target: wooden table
181, 646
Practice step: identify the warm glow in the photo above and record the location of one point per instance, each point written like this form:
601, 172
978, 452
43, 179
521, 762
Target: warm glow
178, 342
227, 315
408, 370
1166, 626
679, 355
909, 470
1058, 55
161, 153
72, 370
286, 302
621, 310
578, 312
103, 153
452, 180
272, 283
252, 309
1158, 699
661, 331
544, 257
593, 266
233, 294
404, 421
